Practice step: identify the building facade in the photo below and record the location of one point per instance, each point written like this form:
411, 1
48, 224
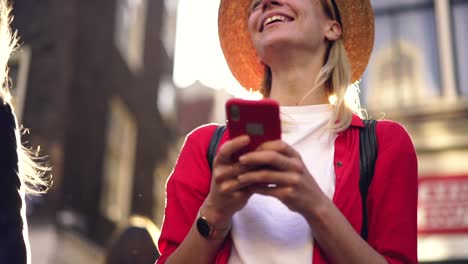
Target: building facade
90, 100
417, 76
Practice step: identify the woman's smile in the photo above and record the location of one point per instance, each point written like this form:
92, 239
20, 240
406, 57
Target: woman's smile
273, 19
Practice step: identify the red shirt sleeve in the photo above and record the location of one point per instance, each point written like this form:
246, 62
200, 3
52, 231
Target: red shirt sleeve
186, 189
393, 194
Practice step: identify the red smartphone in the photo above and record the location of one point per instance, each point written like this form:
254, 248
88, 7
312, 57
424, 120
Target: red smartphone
258, 119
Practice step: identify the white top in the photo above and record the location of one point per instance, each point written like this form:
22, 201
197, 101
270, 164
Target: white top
265, 230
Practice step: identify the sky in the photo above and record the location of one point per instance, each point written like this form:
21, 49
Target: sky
198, 55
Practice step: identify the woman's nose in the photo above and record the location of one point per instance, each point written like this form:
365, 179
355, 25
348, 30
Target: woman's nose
267, 4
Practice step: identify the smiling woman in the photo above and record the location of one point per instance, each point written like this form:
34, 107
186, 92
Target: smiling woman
299, 199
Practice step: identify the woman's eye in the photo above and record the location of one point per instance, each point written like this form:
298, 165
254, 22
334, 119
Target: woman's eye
255, 4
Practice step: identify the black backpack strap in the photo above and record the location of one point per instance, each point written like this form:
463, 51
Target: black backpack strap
214, 142
368, 155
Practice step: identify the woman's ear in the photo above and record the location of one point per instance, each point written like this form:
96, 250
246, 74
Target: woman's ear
333, 30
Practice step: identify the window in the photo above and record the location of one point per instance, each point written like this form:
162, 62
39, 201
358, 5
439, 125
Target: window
119, 162
169, 29
18, 73
398, 76
385, 4
130, 31
404, 67
167, 99
460, 22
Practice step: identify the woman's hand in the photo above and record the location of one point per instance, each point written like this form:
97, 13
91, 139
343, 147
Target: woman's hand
227, 195
281, 173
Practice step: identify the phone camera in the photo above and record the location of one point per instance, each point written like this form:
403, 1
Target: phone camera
235, 113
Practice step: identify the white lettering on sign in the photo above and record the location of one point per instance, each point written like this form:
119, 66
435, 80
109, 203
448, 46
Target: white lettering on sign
443, 205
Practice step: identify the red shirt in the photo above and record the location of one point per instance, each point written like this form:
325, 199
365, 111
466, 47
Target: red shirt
391, 204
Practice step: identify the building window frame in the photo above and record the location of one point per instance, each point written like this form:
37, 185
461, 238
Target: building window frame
119, 163
446, 52
446, 56
169, 26
404, 94
166, 103
455, 47
130, 31
20, 62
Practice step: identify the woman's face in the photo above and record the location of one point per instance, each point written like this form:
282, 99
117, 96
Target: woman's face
274, 25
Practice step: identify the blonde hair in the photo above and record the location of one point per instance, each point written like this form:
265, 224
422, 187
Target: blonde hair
32, 173
336, 76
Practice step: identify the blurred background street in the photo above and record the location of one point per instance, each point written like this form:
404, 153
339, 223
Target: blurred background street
108, 89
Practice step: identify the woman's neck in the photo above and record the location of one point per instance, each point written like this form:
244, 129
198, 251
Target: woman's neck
292, 83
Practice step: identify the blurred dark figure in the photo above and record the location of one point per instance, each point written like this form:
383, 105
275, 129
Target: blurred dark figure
19, 174
135, 243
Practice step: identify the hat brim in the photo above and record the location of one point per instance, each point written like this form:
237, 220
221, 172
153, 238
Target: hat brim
357, 19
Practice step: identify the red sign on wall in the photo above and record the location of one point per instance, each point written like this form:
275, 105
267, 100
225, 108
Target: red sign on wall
443, 205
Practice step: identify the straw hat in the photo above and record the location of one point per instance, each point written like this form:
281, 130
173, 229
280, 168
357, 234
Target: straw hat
357, 20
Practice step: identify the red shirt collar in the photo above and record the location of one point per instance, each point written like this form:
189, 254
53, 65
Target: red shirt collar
357, 121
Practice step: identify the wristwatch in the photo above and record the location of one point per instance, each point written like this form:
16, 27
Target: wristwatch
209, 231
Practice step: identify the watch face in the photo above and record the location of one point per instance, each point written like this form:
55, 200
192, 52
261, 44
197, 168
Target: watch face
203, 227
